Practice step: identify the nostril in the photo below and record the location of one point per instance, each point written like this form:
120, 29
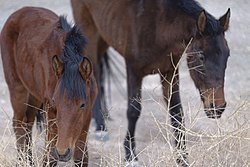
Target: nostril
211, 106
65, 156
61, 153
67, 152
221, 110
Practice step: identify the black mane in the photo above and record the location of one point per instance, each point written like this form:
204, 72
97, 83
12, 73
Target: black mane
193, 9
74, 44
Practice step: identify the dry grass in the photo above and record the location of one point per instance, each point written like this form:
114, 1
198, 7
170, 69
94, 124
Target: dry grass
214, 143
225, 144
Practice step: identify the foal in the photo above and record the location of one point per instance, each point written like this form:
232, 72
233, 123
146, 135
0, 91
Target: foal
43, 64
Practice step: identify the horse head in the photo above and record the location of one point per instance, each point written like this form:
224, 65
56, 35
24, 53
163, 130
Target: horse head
73, 105
207, 59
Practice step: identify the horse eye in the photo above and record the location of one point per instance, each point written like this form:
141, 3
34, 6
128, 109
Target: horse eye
82, 106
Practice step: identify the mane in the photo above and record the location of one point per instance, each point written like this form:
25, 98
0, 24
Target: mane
193, 9
74, 44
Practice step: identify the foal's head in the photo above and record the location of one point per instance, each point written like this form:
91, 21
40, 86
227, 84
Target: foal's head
74, 94
207, 59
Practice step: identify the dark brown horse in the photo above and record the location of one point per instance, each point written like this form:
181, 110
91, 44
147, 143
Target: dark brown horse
152, 35
43, 63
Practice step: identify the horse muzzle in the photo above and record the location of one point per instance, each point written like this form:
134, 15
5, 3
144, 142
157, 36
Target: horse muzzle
64, 156
215, 112
214, 102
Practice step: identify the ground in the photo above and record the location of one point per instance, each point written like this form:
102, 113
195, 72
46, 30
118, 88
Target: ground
223, 142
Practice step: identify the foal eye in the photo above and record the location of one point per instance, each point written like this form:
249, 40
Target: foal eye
82, 106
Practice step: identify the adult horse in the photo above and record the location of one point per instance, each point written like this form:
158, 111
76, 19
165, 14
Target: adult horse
43, 63
152, 35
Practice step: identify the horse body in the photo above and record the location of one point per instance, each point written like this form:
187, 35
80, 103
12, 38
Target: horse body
40, 54
152, 35
145, 41
25, 41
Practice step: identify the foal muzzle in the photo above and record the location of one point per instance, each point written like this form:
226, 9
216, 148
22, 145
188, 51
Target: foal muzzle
65, 157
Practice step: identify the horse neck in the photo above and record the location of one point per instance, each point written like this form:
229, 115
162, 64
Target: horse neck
149, 24
175, 28
159, 25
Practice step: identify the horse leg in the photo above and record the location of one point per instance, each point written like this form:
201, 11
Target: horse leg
19, 96
102, 65
133, 112
100, 105
95, 47
51, 134
170, 86
100, 108
31, 110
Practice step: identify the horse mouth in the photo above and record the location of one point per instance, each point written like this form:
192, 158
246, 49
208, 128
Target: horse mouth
63, 158
215, 112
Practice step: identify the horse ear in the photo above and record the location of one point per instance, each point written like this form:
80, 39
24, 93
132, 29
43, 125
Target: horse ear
57, 66
85, 68
224, 20
202, 21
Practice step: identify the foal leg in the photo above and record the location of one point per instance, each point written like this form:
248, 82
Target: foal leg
19, 96
31, 111
133, 112
170, 86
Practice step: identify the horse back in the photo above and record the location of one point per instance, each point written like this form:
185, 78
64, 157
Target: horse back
26, 48
136, 29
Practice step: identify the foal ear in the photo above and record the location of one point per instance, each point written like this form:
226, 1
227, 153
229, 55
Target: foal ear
224, 20
57, 66
202, 21
85, 68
